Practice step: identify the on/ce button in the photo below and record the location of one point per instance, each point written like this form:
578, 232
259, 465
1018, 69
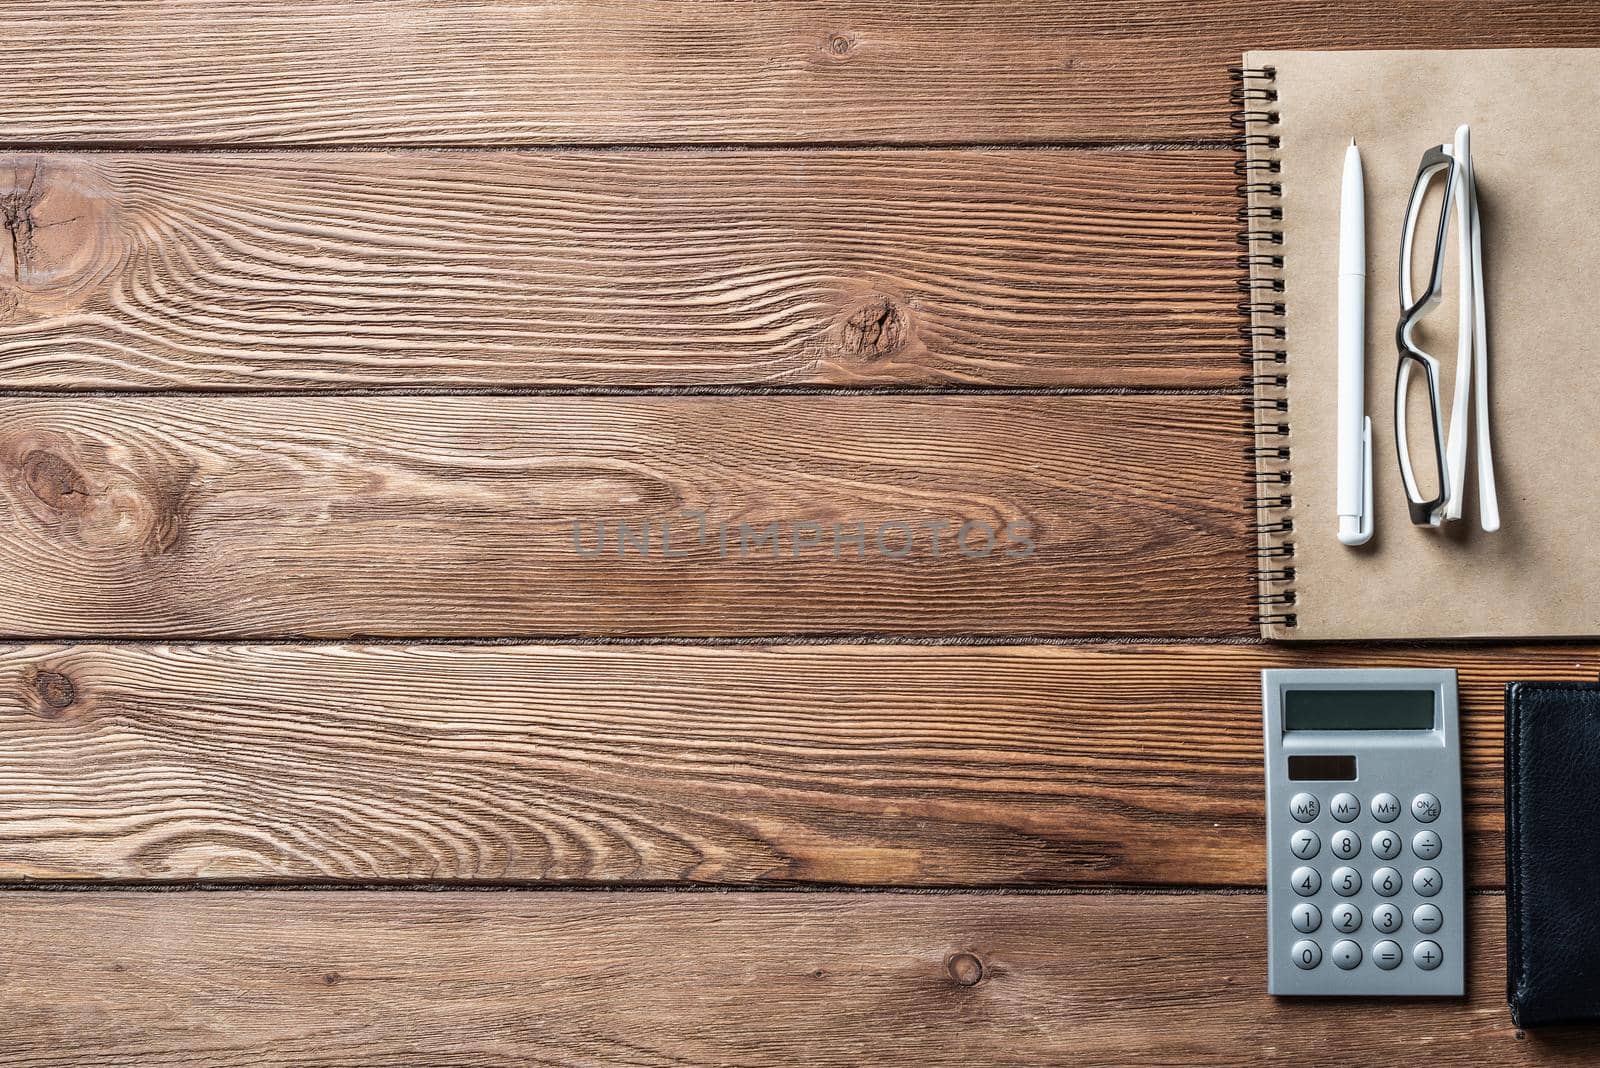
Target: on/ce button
1425, 807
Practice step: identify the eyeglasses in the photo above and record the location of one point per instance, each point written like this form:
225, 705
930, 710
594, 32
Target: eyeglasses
1449, 166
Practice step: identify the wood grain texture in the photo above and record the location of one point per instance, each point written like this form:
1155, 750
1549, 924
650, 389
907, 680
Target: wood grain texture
472, 516
495, 979
617, 269
422, 72
866, 765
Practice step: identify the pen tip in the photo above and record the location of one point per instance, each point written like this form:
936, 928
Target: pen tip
1352, 142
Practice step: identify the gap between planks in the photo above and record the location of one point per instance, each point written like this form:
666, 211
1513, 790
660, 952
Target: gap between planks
179, 148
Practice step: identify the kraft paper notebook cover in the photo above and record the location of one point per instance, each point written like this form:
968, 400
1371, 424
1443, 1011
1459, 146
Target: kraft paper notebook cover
1535, 117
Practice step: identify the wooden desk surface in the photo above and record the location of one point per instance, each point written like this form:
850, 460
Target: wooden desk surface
324, 740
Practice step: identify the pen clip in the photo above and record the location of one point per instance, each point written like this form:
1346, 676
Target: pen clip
1366, 481
1364, 522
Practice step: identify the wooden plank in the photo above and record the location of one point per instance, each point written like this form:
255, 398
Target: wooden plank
866, 765
481, 516
416, 72
469, 979
618, 269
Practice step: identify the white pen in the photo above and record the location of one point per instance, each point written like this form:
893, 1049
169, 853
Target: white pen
1354, 486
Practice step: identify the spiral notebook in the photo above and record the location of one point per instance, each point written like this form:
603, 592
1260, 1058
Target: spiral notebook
1535, 118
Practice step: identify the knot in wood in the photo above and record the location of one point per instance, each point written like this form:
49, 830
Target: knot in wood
877, 328
55, 690
55, 481
839, 45
964, 969
59, 235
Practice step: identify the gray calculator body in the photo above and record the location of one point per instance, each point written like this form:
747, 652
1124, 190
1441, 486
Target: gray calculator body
1365, 879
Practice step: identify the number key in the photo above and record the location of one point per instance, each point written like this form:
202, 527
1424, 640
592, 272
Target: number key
1306, 881
1305, 844
1386, 845
1346, 844
1386, 881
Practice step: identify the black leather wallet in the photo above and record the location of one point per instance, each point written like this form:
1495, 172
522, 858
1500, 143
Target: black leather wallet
1552, 852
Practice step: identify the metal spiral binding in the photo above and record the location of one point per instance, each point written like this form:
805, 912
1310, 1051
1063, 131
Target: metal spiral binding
1262, 348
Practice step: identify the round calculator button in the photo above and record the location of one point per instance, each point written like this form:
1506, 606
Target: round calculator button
1346, 918
1386, 955
1386, 918
1305, 844
1346, 882
1385, 808
1427, 918
1427, 882
1306, 917
1425, 844
1428, 955
1386, 845
1304, 808
1346, 954
1387, 882
1306, 881
1345, 807
1306, 954
1345, 844
1425, 807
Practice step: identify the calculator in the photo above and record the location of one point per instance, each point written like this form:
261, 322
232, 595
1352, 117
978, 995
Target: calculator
1365, 880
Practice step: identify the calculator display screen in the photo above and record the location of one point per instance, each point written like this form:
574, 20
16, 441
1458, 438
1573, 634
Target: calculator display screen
1358, 710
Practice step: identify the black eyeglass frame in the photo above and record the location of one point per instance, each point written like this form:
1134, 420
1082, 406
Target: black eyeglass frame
1423, 511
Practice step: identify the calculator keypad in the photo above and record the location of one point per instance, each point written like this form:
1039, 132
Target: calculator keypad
1348, 881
